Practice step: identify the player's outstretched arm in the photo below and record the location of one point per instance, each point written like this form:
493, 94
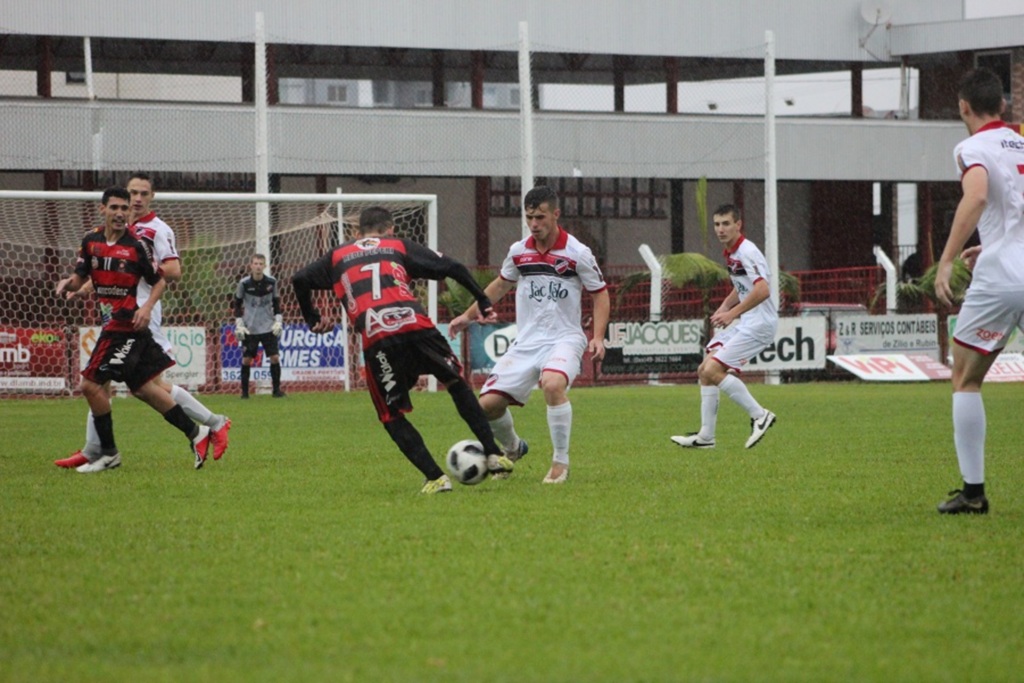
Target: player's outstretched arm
315, 276
494, 291
70, 284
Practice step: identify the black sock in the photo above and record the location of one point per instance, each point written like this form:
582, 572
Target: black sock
105, 430
275, 376
245, 380
411, 444
973, 490
470, 410
177, 417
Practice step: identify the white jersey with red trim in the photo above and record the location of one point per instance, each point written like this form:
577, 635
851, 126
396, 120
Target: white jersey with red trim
747, 265
550, 286
159, 238
1000, 151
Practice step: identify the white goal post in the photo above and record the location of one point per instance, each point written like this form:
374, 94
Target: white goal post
45, 340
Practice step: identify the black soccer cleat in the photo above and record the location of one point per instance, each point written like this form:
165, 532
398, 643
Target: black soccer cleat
961, 504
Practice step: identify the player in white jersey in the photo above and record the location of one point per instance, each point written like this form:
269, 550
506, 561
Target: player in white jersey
550, 269
160, 240
730, 349
990, 164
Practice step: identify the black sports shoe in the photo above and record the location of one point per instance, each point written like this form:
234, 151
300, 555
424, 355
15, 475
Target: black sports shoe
279, 394
960, 504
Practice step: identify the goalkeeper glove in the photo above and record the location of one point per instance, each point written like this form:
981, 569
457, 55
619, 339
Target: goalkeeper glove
241, 331
276, 327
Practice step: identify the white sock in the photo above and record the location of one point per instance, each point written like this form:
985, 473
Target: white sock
505, 432
560, 427
735, 389
969, 435
194, 409
92, 438
708, 412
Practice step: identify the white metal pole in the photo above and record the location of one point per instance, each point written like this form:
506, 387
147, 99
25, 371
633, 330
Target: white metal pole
882, 259
432, 284
771, 209
262, 158
655, 267
90, 86
350, 363
526, 118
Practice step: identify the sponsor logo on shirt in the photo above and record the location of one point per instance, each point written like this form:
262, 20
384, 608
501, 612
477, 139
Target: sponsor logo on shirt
388, 320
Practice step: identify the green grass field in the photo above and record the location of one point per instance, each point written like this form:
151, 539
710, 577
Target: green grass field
307, 554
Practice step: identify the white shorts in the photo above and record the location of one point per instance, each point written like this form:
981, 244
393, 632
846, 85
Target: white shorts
516, 373
735, 346
987, 318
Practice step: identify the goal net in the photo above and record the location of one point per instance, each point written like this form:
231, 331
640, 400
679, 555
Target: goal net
45, 340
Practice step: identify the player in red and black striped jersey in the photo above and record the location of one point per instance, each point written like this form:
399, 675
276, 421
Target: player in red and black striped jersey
116, 263
372, 275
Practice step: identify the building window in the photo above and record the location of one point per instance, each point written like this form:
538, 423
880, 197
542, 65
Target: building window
999, 62
337, 94
591, 197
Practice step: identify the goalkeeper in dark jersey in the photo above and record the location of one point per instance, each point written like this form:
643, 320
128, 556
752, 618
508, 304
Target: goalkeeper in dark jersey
258, 321
372, 275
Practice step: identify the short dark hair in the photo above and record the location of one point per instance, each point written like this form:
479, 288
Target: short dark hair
375, 219
542, 194
139, 175
724, 209
118, 192
261, 257
982, 89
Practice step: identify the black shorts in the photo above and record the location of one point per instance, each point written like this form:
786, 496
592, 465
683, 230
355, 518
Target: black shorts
252, 344
392, 370
130, 357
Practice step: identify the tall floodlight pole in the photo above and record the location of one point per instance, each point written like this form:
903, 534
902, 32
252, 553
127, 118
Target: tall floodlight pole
526, 119
262, 156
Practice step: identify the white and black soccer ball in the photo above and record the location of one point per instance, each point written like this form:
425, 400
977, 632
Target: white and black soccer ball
467, 462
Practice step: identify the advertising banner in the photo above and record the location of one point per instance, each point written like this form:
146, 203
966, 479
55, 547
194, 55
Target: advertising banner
799, 345
652, 347
887, 334
893, 367
32, 359
488, 343
305, 356
188, 348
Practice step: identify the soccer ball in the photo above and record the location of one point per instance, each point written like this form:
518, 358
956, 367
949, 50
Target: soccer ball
467, 462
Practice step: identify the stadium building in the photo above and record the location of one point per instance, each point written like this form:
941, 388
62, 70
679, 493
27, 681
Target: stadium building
424, 97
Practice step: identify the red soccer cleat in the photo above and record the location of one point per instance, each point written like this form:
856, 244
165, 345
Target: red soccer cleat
76, 459
220, 439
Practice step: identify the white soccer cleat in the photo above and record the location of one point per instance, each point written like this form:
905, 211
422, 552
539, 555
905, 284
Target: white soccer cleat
693, 441
201, 446
759, 426
104, 462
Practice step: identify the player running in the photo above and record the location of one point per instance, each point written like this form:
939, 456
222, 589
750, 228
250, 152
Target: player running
730, 349
991, 167
372, 275
551, 269
116, 262
159, 239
